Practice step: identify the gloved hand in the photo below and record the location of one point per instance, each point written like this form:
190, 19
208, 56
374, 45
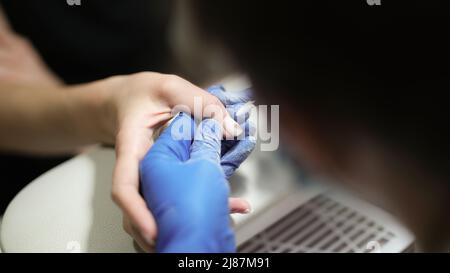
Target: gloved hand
234, 152
186, 190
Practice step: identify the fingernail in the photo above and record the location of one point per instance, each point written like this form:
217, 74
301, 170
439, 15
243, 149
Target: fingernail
239, 211
232, 127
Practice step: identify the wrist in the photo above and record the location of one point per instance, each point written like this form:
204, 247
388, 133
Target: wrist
92, 116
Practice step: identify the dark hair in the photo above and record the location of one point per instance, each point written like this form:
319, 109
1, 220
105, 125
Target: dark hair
386, 66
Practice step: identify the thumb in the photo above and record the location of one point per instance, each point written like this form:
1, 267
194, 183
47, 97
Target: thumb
207, 141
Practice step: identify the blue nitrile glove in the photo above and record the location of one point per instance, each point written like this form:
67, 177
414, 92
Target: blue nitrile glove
234, 152
186, 190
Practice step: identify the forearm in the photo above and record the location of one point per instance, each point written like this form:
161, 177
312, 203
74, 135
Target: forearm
48, 120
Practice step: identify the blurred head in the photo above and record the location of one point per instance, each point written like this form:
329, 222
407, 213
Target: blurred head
361, 91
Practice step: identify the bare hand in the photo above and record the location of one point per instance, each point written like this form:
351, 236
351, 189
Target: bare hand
140, 104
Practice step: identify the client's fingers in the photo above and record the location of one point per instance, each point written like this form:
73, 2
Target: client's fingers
125, 188
183, 96
239, 205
